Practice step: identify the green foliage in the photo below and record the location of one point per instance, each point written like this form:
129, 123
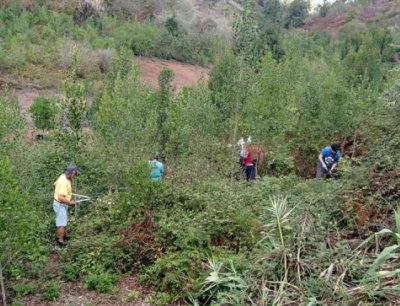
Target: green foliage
158, 298
12, 122
51, 291
126, 122
245, 34
71, 272
193, 144
296, 13
43, 112
103, 283
279, 222
25, 289
221, 286
100, 254
73, 106
39, 35
166, 91
17, 222
388, 251
172, 25
323, 9
364, 55
273, 11
307, 91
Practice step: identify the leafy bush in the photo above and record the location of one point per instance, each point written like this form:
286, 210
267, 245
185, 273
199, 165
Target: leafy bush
43, 112
103, 283
25, 289
51, 291
70, 272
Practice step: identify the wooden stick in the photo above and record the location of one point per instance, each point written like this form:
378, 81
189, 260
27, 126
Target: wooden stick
3, 290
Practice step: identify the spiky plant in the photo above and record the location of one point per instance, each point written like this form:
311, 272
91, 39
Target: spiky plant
278, 220
387, 252
216, 282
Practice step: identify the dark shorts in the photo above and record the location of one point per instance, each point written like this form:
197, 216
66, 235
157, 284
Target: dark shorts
321, 172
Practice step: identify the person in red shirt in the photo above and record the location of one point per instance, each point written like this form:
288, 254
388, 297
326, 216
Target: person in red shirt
248, 164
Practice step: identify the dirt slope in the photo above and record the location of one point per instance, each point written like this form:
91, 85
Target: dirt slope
383, 13
184, 75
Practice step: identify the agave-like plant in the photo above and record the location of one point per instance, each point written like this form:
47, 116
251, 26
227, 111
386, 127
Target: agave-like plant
220, 281
278, 221
278, 213
388, 251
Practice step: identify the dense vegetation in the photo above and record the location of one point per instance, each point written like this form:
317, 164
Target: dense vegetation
204, 236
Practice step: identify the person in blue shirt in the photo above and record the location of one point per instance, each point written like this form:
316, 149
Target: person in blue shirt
328, 160
156, 168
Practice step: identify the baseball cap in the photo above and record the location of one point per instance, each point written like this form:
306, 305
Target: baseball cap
71, 168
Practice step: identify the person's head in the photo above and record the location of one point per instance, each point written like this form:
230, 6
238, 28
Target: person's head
71, 171
156, 157
335, 148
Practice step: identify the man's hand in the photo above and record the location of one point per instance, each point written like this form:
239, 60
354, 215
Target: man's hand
72, 203
325, 167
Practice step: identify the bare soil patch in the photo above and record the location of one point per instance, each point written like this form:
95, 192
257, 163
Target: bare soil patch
129, 293
383, 13
185, 74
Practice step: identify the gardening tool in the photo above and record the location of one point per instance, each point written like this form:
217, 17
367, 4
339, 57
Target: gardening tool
79, 198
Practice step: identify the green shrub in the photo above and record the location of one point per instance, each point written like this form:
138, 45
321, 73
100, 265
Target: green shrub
133, 295
103, 283
43, 112
51, 291
25, 289
70, 272
158, 299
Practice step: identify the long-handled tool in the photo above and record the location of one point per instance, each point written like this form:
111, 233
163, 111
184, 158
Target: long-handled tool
79, 198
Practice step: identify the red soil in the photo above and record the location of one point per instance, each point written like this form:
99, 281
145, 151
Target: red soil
184, 74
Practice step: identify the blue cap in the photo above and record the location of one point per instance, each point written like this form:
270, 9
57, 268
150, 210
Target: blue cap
72, 168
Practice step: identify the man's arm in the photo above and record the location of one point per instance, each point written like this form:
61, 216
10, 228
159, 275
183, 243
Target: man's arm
321, 159
335, 164
63, 199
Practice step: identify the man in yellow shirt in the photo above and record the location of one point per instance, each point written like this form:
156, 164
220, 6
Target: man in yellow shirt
62, 200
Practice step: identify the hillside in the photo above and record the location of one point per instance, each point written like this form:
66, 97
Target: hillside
185, 75
356, 16
205, 153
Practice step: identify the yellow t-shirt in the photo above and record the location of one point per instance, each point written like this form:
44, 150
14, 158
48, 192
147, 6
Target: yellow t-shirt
63, 187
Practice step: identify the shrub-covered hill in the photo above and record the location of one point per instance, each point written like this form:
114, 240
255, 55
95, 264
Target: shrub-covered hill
203, 235
342, 16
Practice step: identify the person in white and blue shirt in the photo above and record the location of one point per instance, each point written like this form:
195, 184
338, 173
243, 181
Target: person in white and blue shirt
156, 168
328, 160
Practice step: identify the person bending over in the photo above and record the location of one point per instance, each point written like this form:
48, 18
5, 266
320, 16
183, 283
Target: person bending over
328, 160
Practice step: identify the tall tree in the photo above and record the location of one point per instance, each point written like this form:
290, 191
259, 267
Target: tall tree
271, 27
73, 106
296, 14
166, 91
246, 34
